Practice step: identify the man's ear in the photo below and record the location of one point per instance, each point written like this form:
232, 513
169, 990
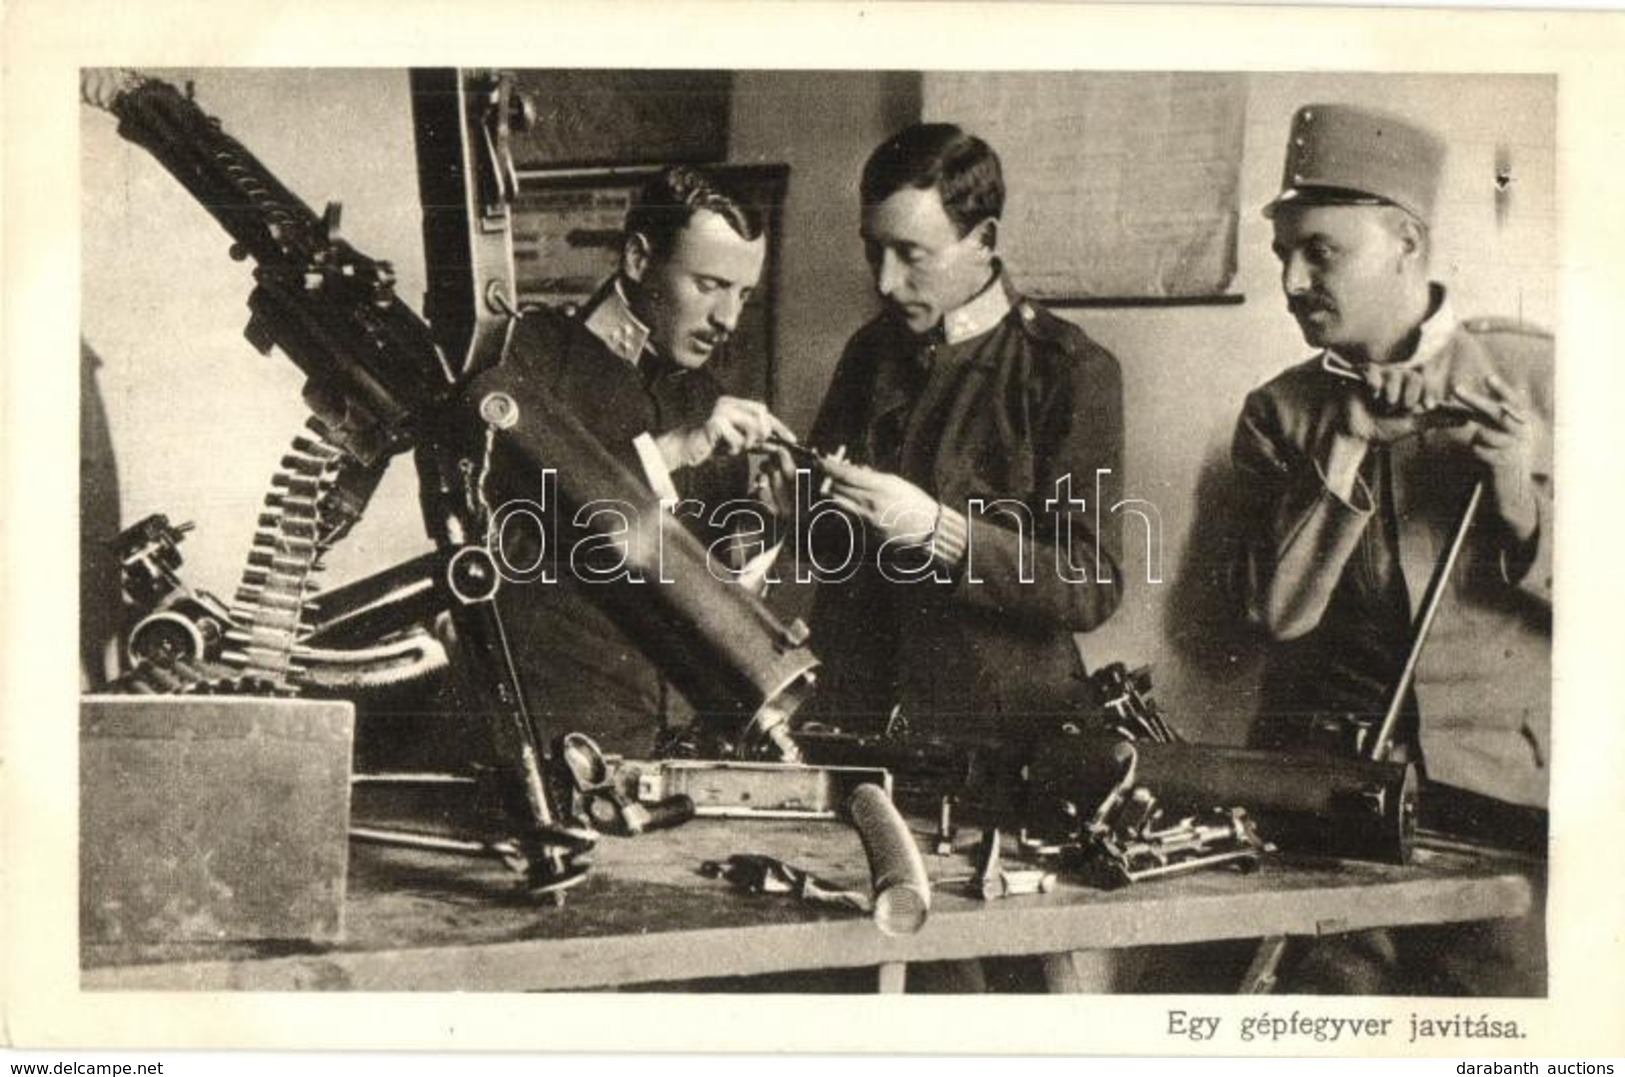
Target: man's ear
635, 257
1412, 237
987, 235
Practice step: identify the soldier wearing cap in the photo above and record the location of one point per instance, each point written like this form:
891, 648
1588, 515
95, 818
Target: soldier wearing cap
1357, 464
960, 408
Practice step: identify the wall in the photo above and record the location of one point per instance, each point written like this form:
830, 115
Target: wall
823, 124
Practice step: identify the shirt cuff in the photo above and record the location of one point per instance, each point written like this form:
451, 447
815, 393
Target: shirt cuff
1518, 557
950, 537
654, 467
754, 576
1360, 500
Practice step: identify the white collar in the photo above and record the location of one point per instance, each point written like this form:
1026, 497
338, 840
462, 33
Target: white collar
1436, 330
984, 311
614, 324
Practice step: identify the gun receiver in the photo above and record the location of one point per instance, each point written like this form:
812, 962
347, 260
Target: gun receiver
372, 366
1063, 784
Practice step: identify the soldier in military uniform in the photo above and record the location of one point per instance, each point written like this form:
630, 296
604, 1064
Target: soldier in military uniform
631, 364
974, 424
1357, 464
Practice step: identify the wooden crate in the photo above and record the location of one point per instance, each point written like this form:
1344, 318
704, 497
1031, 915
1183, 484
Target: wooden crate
212, 818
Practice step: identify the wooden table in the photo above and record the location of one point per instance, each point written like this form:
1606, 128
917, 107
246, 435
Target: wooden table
421, 921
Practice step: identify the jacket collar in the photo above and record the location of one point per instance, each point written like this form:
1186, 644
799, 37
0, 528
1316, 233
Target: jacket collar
985, 309
1436, 332
611, 320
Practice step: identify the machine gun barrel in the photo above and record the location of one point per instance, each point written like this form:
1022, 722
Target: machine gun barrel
1302, 802
373, 367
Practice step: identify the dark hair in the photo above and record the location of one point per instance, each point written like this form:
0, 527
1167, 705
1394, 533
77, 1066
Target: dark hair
962, 168
669, 201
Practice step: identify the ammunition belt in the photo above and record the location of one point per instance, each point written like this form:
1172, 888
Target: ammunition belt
273, 604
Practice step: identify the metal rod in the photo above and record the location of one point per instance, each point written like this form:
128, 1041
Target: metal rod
407, 839
1430, 609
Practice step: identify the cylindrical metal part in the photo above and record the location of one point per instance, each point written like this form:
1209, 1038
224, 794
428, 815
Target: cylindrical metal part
381, 604
672, 811
738, 665
902, 891
1306, 802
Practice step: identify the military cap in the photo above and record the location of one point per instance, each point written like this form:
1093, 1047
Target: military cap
1346, 155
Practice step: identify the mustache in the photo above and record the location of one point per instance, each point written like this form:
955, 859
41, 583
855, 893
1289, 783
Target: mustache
1301, 305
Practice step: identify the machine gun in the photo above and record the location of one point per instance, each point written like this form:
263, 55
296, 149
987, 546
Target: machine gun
373, 370
378, 382
1113, 791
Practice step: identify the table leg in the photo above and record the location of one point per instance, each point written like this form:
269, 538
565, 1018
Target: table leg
1259, 979
1080, 972
892, 976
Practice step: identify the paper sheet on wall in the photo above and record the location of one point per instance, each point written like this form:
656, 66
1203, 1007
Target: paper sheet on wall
1121, 185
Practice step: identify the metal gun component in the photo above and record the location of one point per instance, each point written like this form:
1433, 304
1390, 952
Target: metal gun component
943, 842
553, 851
467, 181
150, 558
601, 800
742, 789
758, 874
1126, 696
744, 671
1123, 840
181, 626
1308, 802
378, 385
1437, 585
992, 880
1142, 850
902, 891
374, 372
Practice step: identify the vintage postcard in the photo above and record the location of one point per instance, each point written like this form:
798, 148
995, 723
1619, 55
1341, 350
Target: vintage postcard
581, 511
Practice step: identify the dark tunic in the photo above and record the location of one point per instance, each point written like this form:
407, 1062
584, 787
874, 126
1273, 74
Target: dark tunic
987, 425
579, 669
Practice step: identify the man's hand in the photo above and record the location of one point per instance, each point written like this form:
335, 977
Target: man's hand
735, 425
1504, 441
889, 505
1396, 403
1397, 389
776, 483
1381, 406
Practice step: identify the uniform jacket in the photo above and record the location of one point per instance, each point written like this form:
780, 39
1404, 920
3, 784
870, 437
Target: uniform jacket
1483, 687
1030, 399
579, 669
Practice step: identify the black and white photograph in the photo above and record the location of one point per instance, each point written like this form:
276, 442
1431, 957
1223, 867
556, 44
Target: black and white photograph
552, 529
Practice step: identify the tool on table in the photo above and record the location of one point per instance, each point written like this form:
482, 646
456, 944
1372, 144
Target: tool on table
902, 891
758, 874
597, 797
993, 880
